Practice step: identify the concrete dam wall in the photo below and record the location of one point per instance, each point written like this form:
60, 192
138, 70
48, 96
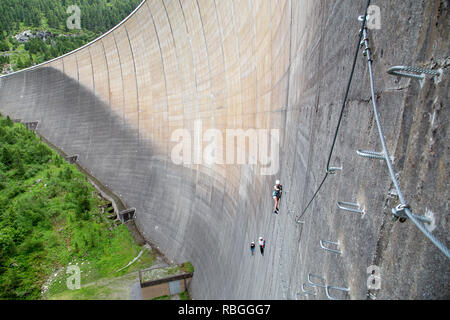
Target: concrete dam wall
264, 65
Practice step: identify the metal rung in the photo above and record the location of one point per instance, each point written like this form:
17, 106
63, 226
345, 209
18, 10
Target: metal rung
328, 249
327, 291
332, 170
316, 284
371, 154
308, 292
298, 221
350, 206
326, 286
419, 72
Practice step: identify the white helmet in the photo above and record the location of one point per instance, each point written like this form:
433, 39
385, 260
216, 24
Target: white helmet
277, 182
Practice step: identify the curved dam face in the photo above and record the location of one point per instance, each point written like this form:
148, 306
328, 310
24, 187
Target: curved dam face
175, 69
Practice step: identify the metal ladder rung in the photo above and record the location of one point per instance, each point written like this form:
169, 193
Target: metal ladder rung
298, 221
332, 170
371, 154
347, 206
326, 286
418, 72
399, 212
327, 291
308, 292
339, 252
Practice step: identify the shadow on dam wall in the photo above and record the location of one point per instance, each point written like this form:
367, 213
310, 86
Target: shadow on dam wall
264, 65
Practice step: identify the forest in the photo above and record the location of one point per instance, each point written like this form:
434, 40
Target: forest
97, 17
50, 217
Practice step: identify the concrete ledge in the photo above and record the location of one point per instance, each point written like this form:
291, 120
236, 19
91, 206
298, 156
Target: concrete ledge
165, 280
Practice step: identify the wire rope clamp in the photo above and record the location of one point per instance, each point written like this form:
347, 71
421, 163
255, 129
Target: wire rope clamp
399, 213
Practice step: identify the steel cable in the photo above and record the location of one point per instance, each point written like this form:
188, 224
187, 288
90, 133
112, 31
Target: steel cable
342, 110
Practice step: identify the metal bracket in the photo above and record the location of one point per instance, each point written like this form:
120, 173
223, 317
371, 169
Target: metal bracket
418, 73
398, 213
365, 44
298, 221
350, 206
361, 18
339, 252
332, 170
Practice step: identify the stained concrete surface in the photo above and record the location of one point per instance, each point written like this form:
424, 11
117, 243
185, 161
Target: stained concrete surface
265, 65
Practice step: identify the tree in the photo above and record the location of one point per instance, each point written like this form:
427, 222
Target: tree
2, 33
4, 46
4, 59
20, 64
6, 157
18, 165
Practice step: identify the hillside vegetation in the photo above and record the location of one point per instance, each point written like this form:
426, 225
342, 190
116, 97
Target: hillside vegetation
51, 217
97, 17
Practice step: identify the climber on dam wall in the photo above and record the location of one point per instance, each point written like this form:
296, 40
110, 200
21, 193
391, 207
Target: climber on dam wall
262, 245
276, 195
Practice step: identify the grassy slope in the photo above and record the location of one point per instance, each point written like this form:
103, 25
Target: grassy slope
50, 217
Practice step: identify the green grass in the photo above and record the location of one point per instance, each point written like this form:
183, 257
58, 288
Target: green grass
185, 295
50, 217
162, 298
87, 293
188, 267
